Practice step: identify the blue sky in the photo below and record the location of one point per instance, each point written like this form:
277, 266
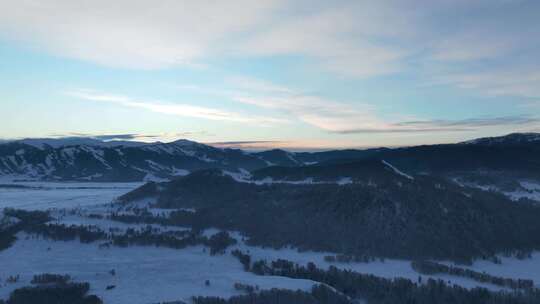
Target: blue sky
270, 73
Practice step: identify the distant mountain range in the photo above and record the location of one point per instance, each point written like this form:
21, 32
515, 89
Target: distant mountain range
501, 161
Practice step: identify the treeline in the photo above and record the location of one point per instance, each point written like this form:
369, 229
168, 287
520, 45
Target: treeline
7, 237
36, 222
318, 295
61, 293
425, 219
428, 268
377, 290
140, 216
49, 278
347, 258
245, 259
217, 243
60, 232
27, 219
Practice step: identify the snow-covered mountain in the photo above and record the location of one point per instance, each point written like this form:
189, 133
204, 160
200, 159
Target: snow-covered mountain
510, 139
116, 162
89, 159
42, 143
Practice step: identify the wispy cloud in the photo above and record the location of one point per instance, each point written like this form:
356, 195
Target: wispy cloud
522, 82
475, 122
492, 53
134, 136
107, 137
463, 125
177, 109
320, 112
327, 38
249, 144
244, 83
352, 117
469, 49
323, 113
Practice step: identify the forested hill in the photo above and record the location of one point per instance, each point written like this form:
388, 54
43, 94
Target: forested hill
389, 215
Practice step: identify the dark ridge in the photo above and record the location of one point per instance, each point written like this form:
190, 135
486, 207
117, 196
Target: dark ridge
369, 169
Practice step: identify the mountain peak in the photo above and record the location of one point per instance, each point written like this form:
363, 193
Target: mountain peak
185, 142
513, 138
43, 143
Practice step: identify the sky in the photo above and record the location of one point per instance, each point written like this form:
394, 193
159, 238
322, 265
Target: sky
303, 74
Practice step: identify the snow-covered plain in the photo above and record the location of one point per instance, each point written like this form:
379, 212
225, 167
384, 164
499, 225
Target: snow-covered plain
143, 274
49, 195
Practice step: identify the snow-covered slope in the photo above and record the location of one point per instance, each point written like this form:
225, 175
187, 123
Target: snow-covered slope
43, 196
364, 171
43, 143
510, 139
107, 162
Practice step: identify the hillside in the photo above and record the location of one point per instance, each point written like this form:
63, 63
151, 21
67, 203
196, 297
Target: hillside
390, 216
345, 171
